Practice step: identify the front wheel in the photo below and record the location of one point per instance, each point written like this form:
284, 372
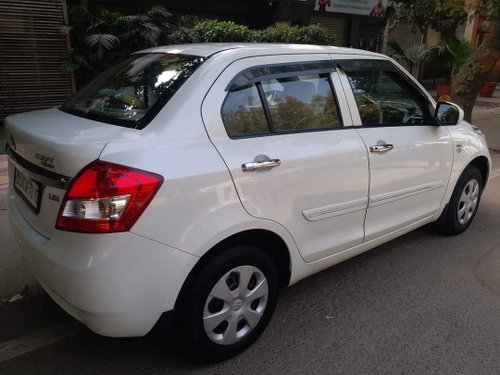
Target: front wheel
463, 204
228, 303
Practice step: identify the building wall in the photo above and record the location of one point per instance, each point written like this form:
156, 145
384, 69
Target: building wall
32, 47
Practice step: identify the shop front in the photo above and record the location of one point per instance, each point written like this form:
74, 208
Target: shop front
355, 23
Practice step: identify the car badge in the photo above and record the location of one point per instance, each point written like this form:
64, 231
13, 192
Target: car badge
46, 161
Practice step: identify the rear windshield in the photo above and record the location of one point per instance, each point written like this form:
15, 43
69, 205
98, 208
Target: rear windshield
132, 92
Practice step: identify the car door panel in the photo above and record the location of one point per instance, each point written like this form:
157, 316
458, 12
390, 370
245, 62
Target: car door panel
410, 158
318, 192
408, 182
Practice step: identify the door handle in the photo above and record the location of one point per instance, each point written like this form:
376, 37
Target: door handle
381, 148
260, 164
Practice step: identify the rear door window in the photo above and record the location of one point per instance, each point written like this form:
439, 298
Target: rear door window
281, 101
301, 103
243, 112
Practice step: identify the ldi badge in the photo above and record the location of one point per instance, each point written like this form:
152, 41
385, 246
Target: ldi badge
54, 197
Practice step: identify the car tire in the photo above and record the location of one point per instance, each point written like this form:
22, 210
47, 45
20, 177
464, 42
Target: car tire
463, 204
227, 304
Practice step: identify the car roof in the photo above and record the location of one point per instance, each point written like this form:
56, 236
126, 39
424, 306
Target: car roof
254, 49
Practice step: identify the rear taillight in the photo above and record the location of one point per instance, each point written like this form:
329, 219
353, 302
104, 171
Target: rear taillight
106, 197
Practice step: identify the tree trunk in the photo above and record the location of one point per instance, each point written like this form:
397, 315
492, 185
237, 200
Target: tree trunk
474, 73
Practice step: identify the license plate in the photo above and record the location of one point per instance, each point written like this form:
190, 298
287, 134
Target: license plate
28, 188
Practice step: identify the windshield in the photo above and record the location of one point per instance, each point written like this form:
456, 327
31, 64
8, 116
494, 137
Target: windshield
132, 92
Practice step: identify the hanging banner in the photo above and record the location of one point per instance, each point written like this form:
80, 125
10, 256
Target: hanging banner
374, 8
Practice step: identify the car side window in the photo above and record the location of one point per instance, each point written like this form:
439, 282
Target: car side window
243, 113
281, 104
300, 103
386, 98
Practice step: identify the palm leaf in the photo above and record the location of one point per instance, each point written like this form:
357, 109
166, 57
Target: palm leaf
417, 54
107, 41
150, 32
134, 19
96, 27
129, 34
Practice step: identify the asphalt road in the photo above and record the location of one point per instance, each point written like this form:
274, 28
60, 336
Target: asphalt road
421, 304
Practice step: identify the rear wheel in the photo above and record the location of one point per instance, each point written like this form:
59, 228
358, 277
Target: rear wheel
228, 303
463, 204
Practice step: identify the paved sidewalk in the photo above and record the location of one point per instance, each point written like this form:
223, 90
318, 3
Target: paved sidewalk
488, 120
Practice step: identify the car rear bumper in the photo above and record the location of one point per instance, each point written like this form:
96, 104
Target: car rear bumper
116, 284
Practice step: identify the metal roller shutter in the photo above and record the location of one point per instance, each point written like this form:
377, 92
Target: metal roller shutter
32, 47
336, 25
404, 36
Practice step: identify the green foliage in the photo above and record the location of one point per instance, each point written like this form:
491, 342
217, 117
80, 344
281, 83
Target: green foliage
452, 54
99, 37
412, 57
314, 34
283, 33
104, 41
494, 10
446, 18
223, 31
441, 15
227, 31
490, 10
278, 33
188, 20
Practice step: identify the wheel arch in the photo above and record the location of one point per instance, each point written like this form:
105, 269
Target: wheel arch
482, 163
269, 241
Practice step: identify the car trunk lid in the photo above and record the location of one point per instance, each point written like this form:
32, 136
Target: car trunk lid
47, 149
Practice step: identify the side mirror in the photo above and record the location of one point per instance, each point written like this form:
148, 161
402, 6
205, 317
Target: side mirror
448, 114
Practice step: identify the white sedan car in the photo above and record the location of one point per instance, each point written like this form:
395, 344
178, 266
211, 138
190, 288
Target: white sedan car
190, 183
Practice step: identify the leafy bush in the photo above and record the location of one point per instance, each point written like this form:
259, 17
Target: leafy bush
413, 56
283, 33
223, 31
227, 31
312, 34
452, 54
99, 37
278, 33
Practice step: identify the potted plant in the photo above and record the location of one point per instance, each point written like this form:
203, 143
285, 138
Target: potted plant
443, 90
451, 55
413, 56
488, 89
